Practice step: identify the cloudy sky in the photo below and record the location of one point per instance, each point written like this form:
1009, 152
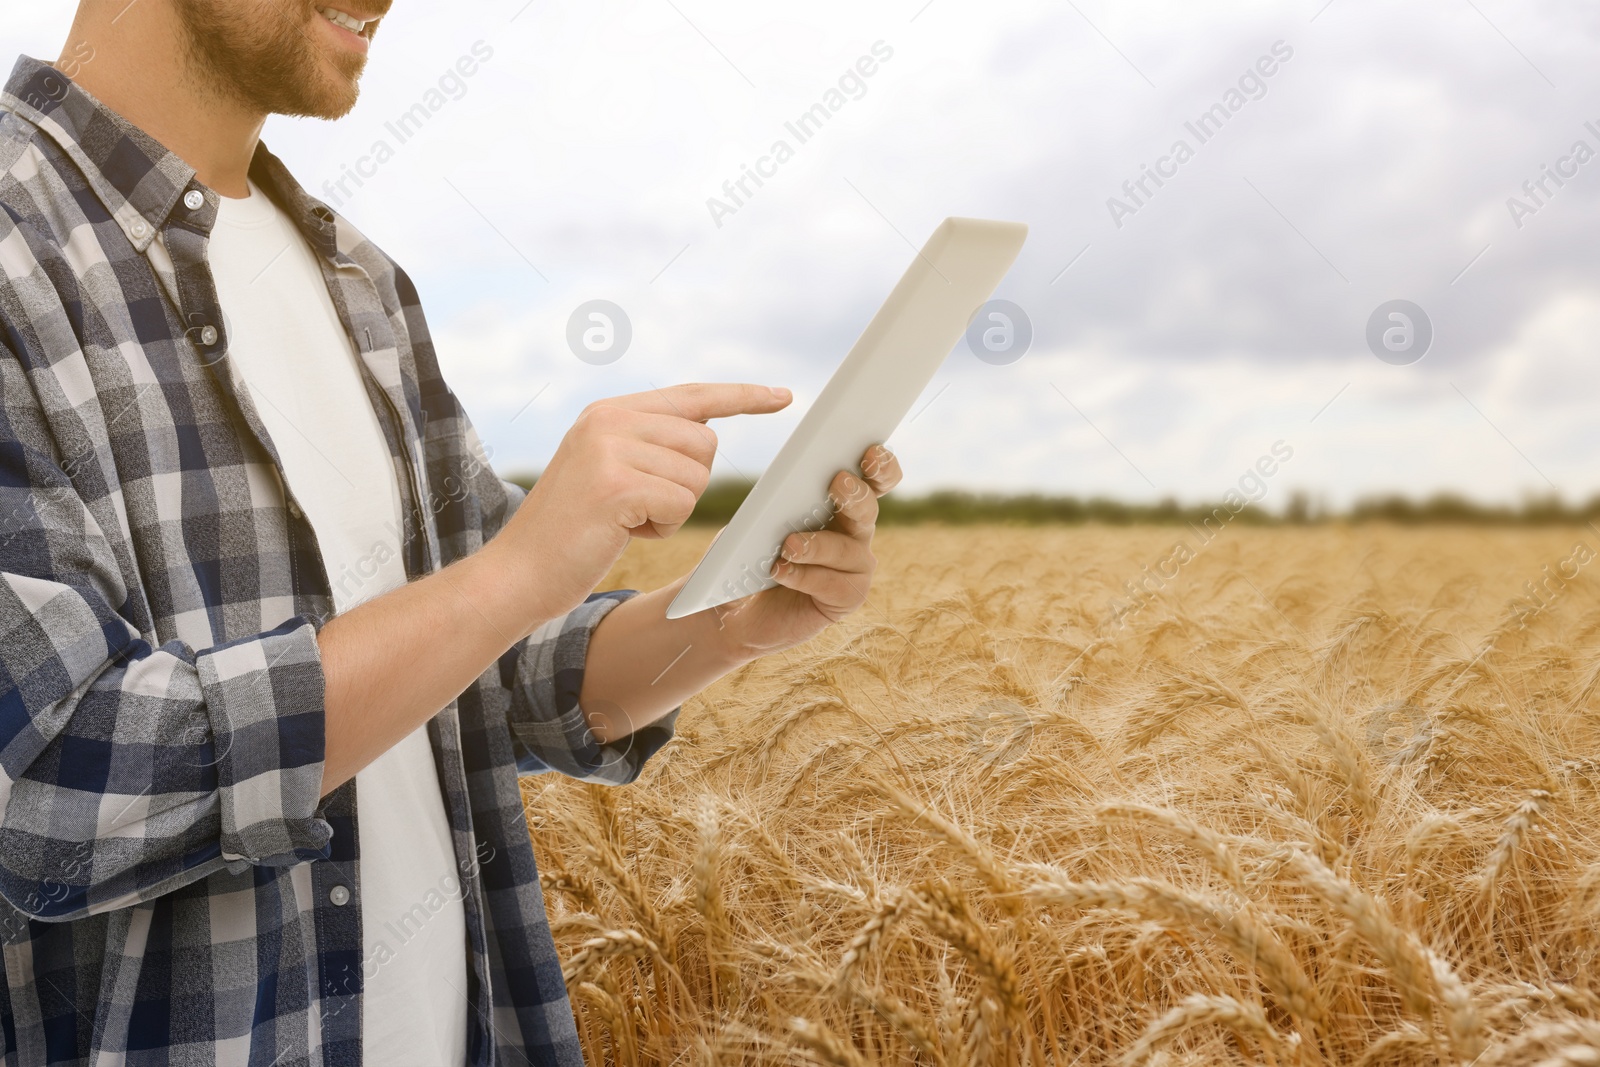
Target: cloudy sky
1176, 337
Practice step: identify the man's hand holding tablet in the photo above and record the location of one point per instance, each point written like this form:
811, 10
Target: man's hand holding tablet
634, 466
797, 556
822, 575
874, 387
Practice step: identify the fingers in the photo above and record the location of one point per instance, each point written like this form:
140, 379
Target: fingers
834, 566
828, 548
693, 439
857, 505
882, 469
648, 488
653, 506
666, 463
648, 455
699, 401
835, 593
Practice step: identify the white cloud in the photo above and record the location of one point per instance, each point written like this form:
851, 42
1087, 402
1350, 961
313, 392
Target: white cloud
1217, 319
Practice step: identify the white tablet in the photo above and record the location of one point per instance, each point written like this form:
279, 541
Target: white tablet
889, 367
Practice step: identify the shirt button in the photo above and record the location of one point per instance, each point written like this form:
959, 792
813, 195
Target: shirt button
339, 895
294, 509
138, 227
194, 200
208, 335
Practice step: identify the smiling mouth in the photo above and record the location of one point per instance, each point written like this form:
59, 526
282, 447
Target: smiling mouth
360, 27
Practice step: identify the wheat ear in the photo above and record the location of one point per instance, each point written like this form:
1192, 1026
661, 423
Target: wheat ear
1210, 844
1418, 972
824, 1045
1199, 1009
1527, 815
612, 943
989, 868
1166, 904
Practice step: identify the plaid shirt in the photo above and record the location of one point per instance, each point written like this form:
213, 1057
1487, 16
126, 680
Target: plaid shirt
168, 866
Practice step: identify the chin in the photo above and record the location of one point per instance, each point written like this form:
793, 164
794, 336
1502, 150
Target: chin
339, 103
334, 93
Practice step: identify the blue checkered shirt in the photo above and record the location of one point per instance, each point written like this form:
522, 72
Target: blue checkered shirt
171, 876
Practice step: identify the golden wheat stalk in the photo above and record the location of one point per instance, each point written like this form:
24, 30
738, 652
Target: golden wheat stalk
1422, 977
990, 869
1527, 815
616, 1019
823, 1045
1200, 1009
1560, 1043
1219, 851
894, 904
706, 874
1405, 1044
616, 873
1114, 885
886, 1005
609, 945
946, 911
1160, 902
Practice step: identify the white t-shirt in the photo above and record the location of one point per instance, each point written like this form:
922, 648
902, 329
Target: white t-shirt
286, 343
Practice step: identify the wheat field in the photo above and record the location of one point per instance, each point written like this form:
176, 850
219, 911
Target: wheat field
1327, 797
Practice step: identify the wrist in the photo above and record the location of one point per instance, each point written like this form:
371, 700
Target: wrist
714, 632
501, 586
731, 636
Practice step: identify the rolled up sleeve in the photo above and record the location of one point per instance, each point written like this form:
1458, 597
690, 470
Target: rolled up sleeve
264, 699
548, 726
134, 773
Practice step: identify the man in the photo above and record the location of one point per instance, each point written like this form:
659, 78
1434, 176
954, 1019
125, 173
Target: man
250, 549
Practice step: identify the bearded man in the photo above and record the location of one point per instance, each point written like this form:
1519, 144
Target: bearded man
275, 643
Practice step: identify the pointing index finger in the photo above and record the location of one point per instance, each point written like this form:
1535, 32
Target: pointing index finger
700, 401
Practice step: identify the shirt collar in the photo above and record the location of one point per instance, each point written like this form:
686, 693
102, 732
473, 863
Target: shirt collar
315, 219
138, 179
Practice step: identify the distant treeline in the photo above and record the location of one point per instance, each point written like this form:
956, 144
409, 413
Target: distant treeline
959, 507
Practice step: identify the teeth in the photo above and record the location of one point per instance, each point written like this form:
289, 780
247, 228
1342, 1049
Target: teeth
339, 18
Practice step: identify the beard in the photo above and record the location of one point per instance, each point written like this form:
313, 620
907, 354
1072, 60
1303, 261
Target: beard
262, 56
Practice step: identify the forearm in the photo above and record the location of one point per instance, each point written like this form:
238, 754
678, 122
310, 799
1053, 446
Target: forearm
393, 662
632, 466
641, 664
